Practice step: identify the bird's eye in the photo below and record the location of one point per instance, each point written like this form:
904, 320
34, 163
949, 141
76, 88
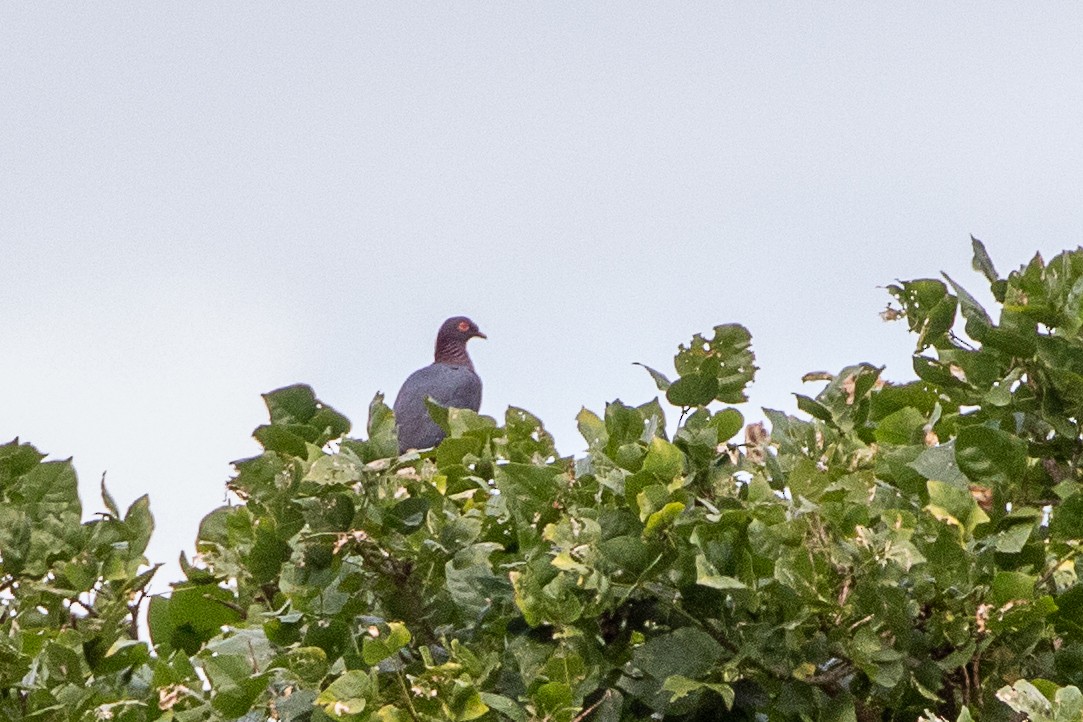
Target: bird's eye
464, 326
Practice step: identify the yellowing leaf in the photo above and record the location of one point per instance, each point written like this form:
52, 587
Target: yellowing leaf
662, 518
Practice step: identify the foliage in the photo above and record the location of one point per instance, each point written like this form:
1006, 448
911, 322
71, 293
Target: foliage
906, 550
69, 594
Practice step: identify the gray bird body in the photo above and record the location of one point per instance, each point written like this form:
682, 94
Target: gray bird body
453, 386
451, 381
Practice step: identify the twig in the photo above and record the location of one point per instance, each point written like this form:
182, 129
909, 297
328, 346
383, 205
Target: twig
406, 697
1047, 575
859, 622
583, 715
133, 610
228, 605
831, 676
975, 665
90, 611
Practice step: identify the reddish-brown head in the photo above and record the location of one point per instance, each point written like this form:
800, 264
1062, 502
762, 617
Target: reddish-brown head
451, 340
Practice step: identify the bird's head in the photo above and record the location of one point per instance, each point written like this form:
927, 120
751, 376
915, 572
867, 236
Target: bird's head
459, 328
452, 338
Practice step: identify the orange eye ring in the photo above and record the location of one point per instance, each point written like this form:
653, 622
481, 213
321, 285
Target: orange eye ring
464, 326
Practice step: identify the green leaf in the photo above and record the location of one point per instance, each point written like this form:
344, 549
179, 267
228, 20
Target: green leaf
682, 686
592, 428
727, 423
664, 461
49, 499
330, 424
958, 657
383, 441
408, 515
554, 701
296, 414
662, 518
883, 664
466, 703
694, 389
623, 424
905, 426
938, 462
726, 358
291, 404
124, 654
1025, 698
970, 307
308, 663
982, 262
377, 649
628, 553
190, 617
332, 512
708, 576
465, 422
956, 506
470, 580
687, 652
990, 456
235, 685
937, 373
140, 525
213, 527
527, 437
1013, 539
1068, 704
15, 539
1062, 363
1010, 587
341, 469
1067, 519
347, 695
284, 440
110, 503
299, 707
929, 309
17, 460
504, 706
814, 408
268, 555
660, 379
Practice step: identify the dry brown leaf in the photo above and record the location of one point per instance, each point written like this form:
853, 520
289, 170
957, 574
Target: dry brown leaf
849, 385
983, 495
756, 434
892, 314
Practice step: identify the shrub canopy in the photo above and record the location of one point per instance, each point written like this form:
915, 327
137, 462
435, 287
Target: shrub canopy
900, 550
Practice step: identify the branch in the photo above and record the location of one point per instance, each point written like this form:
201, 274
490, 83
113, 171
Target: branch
583, 715
832, 676
90, 611
228, 605
133, 610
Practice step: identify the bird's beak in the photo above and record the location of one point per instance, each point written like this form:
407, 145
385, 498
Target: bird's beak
479, 334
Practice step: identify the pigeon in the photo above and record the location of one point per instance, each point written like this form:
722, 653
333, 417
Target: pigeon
450, 380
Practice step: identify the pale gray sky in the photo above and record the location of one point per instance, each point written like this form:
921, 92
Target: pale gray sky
200, 202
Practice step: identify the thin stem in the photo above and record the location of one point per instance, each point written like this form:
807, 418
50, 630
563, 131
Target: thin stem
406, 696
583, 715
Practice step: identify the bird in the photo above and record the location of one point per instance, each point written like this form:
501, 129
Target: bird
450, 380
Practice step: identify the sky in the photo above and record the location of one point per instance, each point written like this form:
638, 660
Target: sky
201, 202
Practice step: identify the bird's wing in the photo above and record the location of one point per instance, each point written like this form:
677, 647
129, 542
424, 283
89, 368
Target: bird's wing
459, 387
416, 429
455, 386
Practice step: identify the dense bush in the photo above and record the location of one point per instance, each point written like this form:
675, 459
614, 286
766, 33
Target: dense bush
907, 550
